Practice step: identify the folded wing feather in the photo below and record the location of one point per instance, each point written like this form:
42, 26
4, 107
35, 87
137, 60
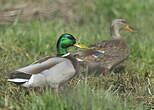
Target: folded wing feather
41, 66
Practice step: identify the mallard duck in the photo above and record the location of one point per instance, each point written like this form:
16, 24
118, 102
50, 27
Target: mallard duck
109, 53
49, 71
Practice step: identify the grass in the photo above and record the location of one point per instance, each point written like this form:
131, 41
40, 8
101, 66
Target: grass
21, 43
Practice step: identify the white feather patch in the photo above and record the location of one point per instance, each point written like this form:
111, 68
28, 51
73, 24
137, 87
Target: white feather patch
66, 55
79, 59
18, 80
101, 51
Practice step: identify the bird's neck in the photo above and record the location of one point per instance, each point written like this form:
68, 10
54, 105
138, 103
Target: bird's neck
115, 32
61, 51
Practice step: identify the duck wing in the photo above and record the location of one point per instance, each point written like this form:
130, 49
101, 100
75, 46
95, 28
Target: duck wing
23, 75
41, 65
115, 52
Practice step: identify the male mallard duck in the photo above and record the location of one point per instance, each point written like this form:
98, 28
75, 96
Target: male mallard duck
111, 52
51, 71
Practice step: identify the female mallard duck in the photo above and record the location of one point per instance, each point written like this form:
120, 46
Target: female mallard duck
51, 71
111, 52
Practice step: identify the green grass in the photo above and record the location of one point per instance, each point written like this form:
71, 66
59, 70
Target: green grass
21, 43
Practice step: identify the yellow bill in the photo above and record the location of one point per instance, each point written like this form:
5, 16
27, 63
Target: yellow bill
129, 28
80, 45
93, 49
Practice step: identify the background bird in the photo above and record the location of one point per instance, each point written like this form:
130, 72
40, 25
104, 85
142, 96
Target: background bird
104, 55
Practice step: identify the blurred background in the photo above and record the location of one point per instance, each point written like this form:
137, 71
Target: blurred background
29, 30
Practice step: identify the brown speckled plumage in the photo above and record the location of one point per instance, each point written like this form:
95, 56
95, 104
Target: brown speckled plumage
116, 50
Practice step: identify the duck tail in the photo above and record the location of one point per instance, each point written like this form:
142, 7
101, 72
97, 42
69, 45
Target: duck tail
19, 77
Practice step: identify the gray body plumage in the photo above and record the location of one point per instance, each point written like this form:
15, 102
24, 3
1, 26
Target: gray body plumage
51, 71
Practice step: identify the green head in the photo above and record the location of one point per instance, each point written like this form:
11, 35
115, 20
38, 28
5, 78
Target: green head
65, 41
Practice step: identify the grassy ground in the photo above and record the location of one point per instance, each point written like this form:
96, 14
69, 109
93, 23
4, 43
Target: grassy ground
21, 43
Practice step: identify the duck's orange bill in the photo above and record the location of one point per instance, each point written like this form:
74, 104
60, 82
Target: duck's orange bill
80, 45
129, 28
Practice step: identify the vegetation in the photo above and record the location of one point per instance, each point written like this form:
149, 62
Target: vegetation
22, 42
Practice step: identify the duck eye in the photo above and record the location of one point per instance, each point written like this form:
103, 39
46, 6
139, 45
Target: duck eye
71, 38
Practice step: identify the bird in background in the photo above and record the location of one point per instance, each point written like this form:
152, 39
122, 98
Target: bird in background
103, 56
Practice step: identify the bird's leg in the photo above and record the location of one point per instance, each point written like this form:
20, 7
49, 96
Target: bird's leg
55, 90
104, 71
